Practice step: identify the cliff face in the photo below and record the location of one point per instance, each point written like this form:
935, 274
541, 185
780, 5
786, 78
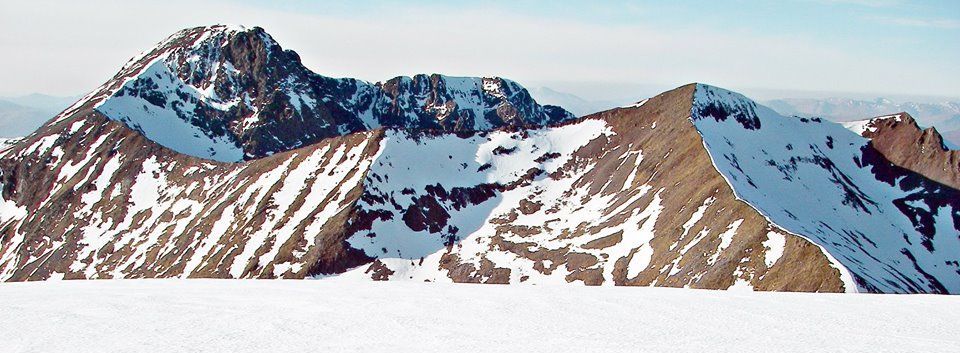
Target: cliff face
230, 94
904, 143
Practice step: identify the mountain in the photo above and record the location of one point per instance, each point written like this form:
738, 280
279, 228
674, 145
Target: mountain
17, 120
953, 137
944, 116
903, 142
229, 93
19, 116
696, 187
686, 189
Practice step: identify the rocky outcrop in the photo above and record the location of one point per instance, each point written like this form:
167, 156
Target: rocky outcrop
900, 140
230, 93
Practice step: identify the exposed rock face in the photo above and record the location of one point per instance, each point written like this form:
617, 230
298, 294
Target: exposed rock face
230, 93
899, 139
628, 197
696, 187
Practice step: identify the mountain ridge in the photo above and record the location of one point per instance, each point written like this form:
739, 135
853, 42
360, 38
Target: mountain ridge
696, 187
477, 221
945, 115
905, 143
231, 93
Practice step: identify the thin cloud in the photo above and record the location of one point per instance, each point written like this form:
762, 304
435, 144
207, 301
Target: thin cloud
868, 3
918, 22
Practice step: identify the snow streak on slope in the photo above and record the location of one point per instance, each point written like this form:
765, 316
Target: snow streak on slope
455, 189
342, 316
599, 201
7, 143
127, 208
819, 180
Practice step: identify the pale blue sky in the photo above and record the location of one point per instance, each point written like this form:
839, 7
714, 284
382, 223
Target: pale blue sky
610, 48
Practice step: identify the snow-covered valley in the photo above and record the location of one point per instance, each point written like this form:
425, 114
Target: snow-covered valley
335, 315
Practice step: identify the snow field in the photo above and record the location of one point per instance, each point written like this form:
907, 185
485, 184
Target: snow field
345, 316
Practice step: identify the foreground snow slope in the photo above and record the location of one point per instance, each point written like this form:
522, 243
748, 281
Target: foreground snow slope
332, 315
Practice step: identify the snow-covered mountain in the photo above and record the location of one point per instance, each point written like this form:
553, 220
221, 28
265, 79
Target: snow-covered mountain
816, 179
695, 187
8, 142
230, 93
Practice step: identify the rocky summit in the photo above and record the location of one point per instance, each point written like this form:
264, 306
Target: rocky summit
217, 154
229, 93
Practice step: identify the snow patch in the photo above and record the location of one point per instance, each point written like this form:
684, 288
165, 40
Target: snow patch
773, 246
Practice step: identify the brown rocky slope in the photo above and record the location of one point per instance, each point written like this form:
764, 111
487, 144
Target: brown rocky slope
903, 142
628, 196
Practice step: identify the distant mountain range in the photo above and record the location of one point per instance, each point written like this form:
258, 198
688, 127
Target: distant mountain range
22, 115
945, 117
573, 103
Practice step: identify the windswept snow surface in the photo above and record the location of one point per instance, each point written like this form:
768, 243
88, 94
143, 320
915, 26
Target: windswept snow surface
809, 177
346, 316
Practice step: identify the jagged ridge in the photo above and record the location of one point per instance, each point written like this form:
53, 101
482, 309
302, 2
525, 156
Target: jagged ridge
627, 197
900, 139
229, 93
600, 201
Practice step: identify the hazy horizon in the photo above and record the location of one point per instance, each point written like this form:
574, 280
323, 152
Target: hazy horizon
822, 48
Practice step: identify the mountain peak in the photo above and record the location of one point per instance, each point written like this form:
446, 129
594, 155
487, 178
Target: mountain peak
203, 38
720, 104
232, 93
